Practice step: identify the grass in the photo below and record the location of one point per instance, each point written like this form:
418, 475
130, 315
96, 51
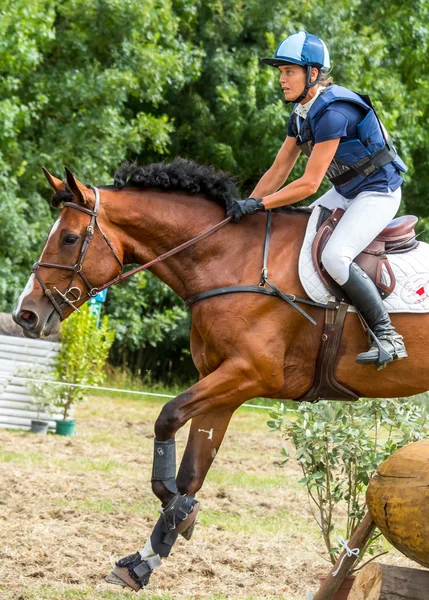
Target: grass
70, 507
86, 593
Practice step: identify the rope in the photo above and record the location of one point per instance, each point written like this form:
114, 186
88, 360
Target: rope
349, 552
108, 389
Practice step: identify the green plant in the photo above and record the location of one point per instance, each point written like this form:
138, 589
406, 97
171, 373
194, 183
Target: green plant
41, 392
338, 447
81, 359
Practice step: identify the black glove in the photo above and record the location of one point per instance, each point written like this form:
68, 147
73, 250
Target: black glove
248, 206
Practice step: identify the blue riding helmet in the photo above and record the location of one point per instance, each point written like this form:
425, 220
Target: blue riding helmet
303, 49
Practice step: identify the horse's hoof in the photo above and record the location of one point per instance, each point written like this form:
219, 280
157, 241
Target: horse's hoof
187, 534
121, 576
189, 522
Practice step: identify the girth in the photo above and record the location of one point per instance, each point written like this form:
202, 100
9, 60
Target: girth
325, 386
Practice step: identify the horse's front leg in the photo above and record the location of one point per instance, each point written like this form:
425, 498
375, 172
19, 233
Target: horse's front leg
210, 404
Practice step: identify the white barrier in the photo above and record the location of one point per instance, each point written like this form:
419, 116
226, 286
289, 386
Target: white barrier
18, 356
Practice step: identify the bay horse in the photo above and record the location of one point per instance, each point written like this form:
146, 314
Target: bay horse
243, 345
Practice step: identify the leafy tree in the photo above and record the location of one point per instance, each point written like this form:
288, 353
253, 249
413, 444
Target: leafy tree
152, 329
89, 83
338, 446
83, 85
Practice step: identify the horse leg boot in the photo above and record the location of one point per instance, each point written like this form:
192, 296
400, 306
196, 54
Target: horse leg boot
178, 514
366, 298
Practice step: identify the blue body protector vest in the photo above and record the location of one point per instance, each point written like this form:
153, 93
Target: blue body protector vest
355, 157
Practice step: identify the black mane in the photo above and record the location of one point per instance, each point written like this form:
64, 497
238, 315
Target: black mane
181, 175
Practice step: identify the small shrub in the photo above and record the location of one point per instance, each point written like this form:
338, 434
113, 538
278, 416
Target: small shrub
81, 359
338, 446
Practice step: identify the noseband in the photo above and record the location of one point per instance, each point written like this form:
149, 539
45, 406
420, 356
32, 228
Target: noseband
73, 293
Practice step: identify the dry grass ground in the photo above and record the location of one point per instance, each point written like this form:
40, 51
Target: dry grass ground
69, 507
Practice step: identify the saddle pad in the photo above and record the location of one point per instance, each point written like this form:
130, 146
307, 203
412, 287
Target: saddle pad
411, 293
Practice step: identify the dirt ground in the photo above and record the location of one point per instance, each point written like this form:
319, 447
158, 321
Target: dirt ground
70, 507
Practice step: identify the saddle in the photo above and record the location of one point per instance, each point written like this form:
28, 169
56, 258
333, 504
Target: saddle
398, 237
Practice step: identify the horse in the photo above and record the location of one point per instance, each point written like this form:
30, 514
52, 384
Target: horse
243, 345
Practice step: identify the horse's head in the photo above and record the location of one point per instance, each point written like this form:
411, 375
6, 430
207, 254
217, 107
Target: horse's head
79, 256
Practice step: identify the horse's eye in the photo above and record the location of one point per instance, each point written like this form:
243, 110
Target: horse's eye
71, 239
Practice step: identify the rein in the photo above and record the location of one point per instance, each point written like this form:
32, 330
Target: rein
73, 293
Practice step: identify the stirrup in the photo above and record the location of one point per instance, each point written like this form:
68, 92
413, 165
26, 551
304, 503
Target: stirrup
384, 356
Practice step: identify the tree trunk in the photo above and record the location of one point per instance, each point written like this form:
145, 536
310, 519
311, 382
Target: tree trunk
345, 563
385, 582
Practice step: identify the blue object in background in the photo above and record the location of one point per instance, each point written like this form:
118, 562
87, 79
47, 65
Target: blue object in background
101, 296
95, 304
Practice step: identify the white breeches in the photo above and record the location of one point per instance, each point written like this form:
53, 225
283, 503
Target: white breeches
365, 216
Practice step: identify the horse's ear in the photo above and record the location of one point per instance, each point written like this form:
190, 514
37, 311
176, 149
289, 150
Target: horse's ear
56, 184
78, 189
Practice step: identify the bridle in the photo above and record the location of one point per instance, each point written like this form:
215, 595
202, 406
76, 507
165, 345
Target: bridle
73, 293
70, 297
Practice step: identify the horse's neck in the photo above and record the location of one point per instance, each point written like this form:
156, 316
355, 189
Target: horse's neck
152, 222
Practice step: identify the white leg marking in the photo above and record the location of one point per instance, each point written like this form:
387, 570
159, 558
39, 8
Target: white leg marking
209, 432
26, 292
147, 551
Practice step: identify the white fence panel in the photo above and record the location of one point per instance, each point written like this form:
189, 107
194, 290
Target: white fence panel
18, 357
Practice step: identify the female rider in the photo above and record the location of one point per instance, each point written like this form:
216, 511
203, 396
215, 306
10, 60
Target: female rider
340, 133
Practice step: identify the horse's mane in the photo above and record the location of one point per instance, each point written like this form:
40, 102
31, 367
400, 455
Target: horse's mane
180, 175
186, 176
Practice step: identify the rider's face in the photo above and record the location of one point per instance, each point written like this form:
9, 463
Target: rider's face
293, 79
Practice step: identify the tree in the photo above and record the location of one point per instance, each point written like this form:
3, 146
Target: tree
90, 83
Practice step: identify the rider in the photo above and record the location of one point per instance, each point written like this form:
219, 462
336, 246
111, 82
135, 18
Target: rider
340, 133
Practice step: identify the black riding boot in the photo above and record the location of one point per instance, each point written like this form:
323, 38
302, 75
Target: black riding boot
363, 293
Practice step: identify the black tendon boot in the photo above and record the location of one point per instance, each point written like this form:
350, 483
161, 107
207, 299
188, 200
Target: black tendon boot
363, 293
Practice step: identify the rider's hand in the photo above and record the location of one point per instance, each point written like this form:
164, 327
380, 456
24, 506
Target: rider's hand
244, 207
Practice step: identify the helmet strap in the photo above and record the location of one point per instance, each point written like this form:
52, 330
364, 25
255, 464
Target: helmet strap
308, 85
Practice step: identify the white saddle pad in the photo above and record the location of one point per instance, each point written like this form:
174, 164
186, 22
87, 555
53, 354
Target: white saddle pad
411, 293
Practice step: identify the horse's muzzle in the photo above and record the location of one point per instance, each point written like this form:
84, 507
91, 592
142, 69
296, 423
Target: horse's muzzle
34, 326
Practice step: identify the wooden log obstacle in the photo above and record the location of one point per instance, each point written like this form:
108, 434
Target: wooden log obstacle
385, 582
398, 500
398, 504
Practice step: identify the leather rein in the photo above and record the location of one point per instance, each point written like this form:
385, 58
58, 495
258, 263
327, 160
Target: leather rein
73, 294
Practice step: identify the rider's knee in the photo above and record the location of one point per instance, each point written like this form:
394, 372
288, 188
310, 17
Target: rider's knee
336, 264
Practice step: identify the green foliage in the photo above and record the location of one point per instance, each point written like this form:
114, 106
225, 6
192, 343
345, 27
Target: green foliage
81, 359
338, 447
150, 325
89, 83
